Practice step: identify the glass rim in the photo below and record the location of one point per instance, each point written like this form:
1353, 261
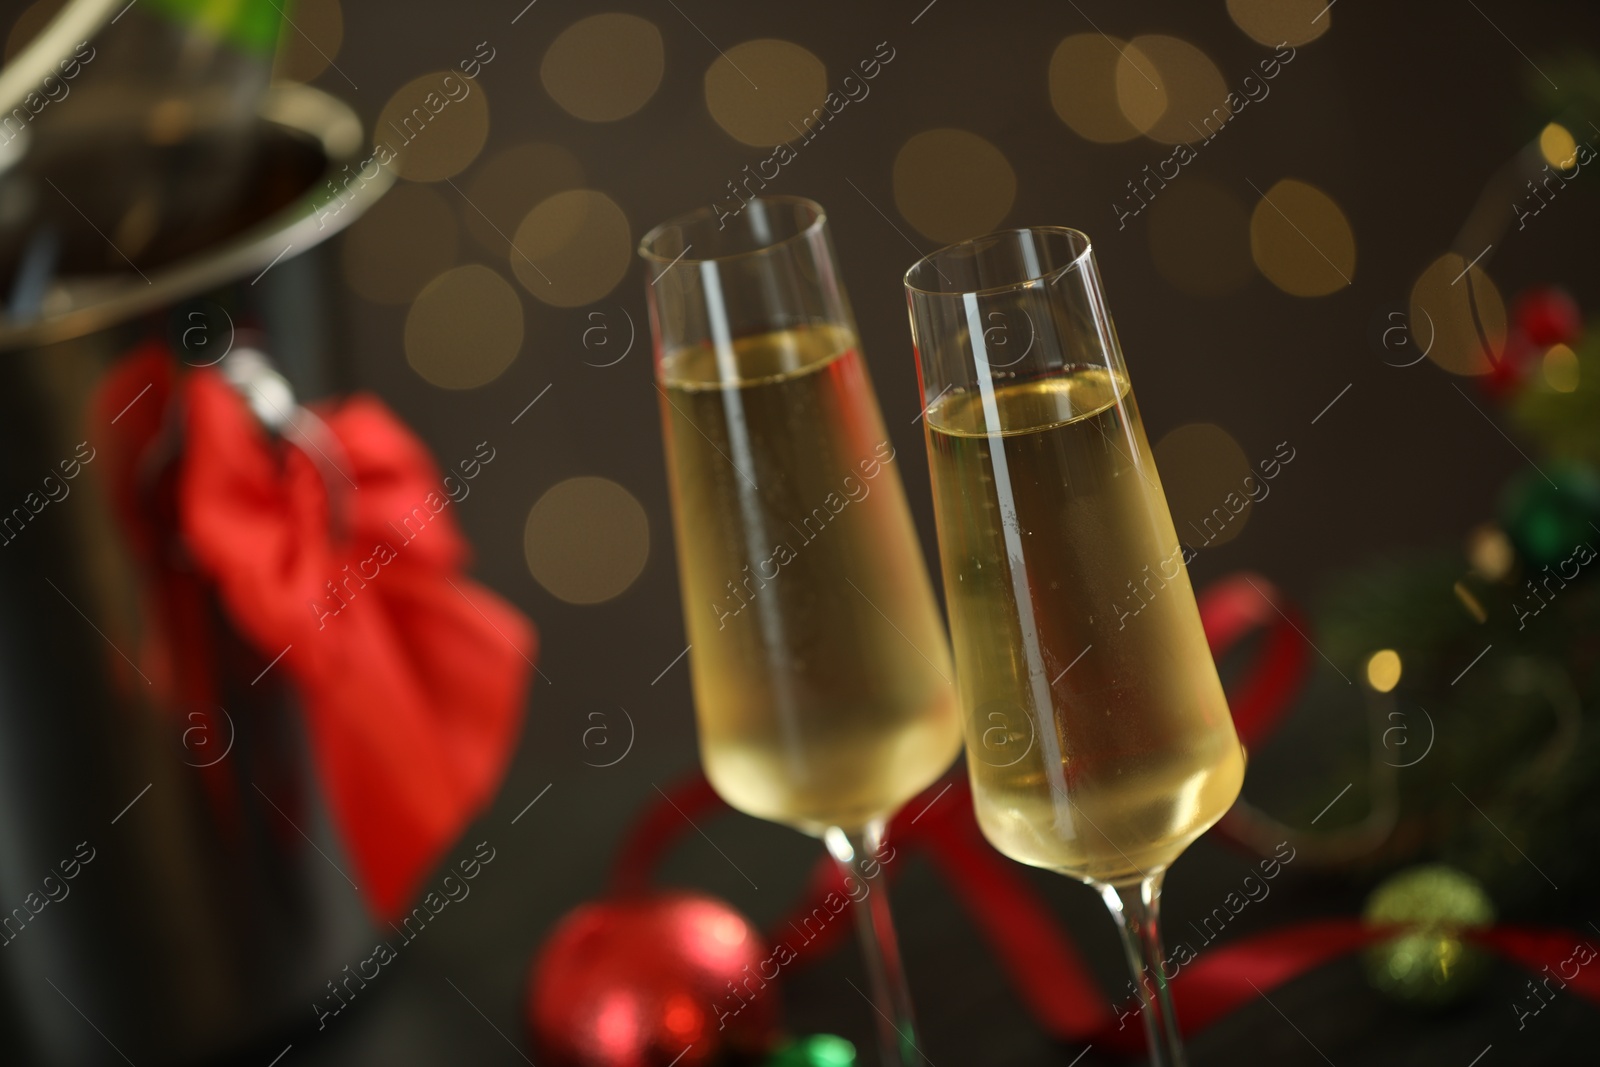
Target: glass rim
1053, 273
819, 218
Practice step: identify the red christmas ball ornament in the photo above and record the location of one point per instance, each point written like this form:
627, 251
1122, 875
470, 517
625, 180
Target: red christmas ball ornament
1548, 316
637, 982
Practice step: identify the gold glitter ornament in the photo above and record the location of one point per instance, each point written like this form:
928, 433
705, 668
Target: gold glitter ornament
1431, 964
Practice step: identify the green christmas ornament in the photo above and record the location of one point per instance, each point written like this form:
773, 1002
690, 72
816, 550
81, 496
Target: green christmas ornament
818, 1050
1430, 965
1547, 523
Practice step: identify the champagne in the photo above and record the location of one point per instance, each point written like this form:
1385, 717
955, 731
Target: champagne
821, 673
1099, 740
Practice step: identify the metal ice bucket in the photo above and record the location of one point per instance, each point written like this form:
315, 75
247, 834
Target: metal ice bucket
170, 889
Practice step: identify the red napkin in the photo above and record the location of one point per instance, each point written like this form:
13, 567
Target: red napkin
339, 551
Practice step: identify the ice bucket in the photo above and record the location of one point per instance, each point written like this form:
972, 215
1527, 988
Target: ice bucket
170, 890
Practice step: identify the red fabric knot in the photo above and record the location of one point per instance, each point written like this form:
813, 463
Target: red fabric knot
412, 677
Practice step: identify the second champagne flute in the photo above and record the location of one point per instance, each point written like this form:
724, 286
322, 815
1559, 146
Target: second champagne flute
822, 679
1098, 739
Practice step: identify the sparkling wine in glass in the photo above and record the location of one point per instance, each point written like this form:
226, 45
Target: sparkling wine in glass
1098, 739
821, 672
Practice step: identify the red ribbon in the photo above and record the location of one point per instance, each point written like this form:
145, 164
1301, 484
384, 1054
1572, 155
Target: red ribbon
343, 558
1038, 956
1231, 609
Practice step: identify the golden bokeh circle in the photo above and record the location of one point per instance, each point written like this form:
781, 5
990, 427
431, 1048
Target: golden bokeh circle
1141, 91
307, 46
405, 239
1383, 669
1301, 240
1458, 315
35, 17
604, 67
434, 125
1561, 369
511, 183
1490, 552
952, 184
765, 92
586, 540
572, 248
1204, 472
1170, 91
1279, 22
465, 328
1199, 235
1083, 88
1557, 146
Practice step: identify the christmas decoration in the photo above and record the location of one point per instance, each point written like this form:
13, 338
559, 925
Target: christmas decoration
1542, 317
1497, 638
1560, 413
1551, 511
646, 981
1547, 316
1049, 976
819, 1050
1432, 963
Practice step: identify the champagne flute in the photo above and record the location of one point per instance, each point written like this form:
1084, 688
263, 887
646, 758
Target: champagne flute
821, 672
1099, 742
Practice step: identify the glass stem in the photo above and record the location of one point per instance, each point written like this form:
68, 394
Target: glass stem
1136, 908
856, 854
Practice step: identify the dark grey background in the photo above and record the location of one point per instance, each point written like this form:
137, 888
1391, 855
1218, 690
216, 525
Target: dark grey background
1400, 112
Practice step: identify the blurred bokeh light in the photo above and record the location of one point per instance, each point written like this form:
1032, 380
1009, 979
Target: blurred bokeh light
436, 125
1279, 22
1203, 471
1490, 552
1301, 240
1170, 91
511, 183
604, 67
1457, 315
586, 540
1560, 365
953, 184
764, 92
1383, 670
1083, 88
1557, 145
572, 248
465, 328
